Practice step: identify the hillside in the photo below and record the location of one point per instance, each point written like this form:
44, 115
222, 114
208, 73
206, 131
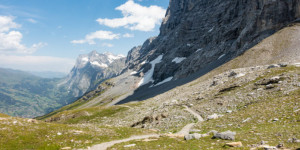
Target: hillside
220, 75
258, 101
25, 95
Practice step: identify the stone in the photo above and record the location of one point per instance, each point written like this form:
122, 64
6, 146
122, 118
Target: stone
65, 148
228, 135
130, 145
229, 111
280, 145
284, 64
267, 147
273, 66
32, 121
196, 136
213, 116
188, 137
293, 140
232, 74
234, 144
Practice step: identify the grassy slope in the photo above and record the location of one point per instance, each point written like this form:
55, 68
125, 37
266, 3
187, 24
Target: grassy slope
26, 95
16, 133
260, 126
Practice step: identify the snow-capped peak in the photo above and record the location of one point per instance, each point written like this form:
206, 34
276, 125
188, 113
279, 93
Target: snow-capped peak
97, 60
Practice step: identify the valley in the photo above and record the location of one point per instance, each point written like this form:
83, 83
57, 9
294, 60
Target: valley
220, 75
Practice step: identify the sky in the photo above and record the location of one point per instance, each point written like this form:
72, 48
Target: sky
48, 35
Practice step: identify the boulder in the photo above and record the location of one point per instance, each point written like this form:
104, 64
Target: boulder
234, 144
228, 135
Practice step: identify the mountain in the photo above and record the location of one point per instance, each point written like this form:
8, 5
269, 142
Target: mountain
220, 75
198, 36
198, 33
25, 95
90, 70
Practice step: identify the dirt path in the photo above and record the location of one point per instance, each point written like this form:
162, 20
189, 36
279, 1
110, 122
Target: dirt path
104, 146
185, 130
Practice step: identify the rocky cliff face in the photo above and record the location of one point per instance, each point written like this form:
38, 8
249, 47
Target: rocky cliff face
91, 69
196, 33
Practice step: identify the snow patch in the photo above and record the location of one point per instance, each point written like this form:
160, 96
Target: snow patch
198, 50
148, 77
211, 29
221, 56
189, 45
112, 58
178, 60
240, 75
144, 62
133, 73
164, 81
85, 59
102, 65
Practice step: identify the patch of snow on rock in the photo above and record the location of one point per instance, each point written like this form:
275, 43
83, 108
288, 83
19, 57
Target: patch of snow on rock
240, 75
148, 75
102, 65
133, 73
85, 59
221, 56
178, 60
112, 58
164, 81
198, 50
211, 29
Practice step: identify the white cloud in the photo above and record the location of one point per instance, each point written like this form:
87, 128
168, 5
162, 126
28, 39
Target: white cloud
6, 23
128, 35
107, 45
136, 17
37, 63
10, 40
100, 35
32, 20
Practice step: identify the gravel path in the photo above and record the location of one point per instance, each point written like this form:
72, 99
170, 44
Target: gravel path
104, 146
185, 130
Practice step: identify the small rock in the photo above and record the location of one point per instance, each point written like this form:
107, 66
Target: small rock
214, 83
213, 116
130, 145
234, 144
229, 111
267, 147
284, 64
228, 135
192, 136
270, 86
213, 131
232, 74
275, 119
246, 120
64, 148
32, 121
280, 145
293, 140
273, 66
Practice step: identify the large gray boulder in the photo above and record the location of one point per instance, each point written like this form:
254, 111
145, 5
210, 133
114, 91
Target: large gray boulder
228, 135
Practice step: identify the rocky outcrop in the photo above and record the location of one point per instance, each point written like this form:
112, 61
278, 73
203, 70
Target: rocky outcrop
92, 69
201, 32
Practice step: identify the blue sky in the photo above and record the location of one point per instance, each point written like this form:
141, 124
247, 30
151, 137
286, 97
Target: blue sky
39, 35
